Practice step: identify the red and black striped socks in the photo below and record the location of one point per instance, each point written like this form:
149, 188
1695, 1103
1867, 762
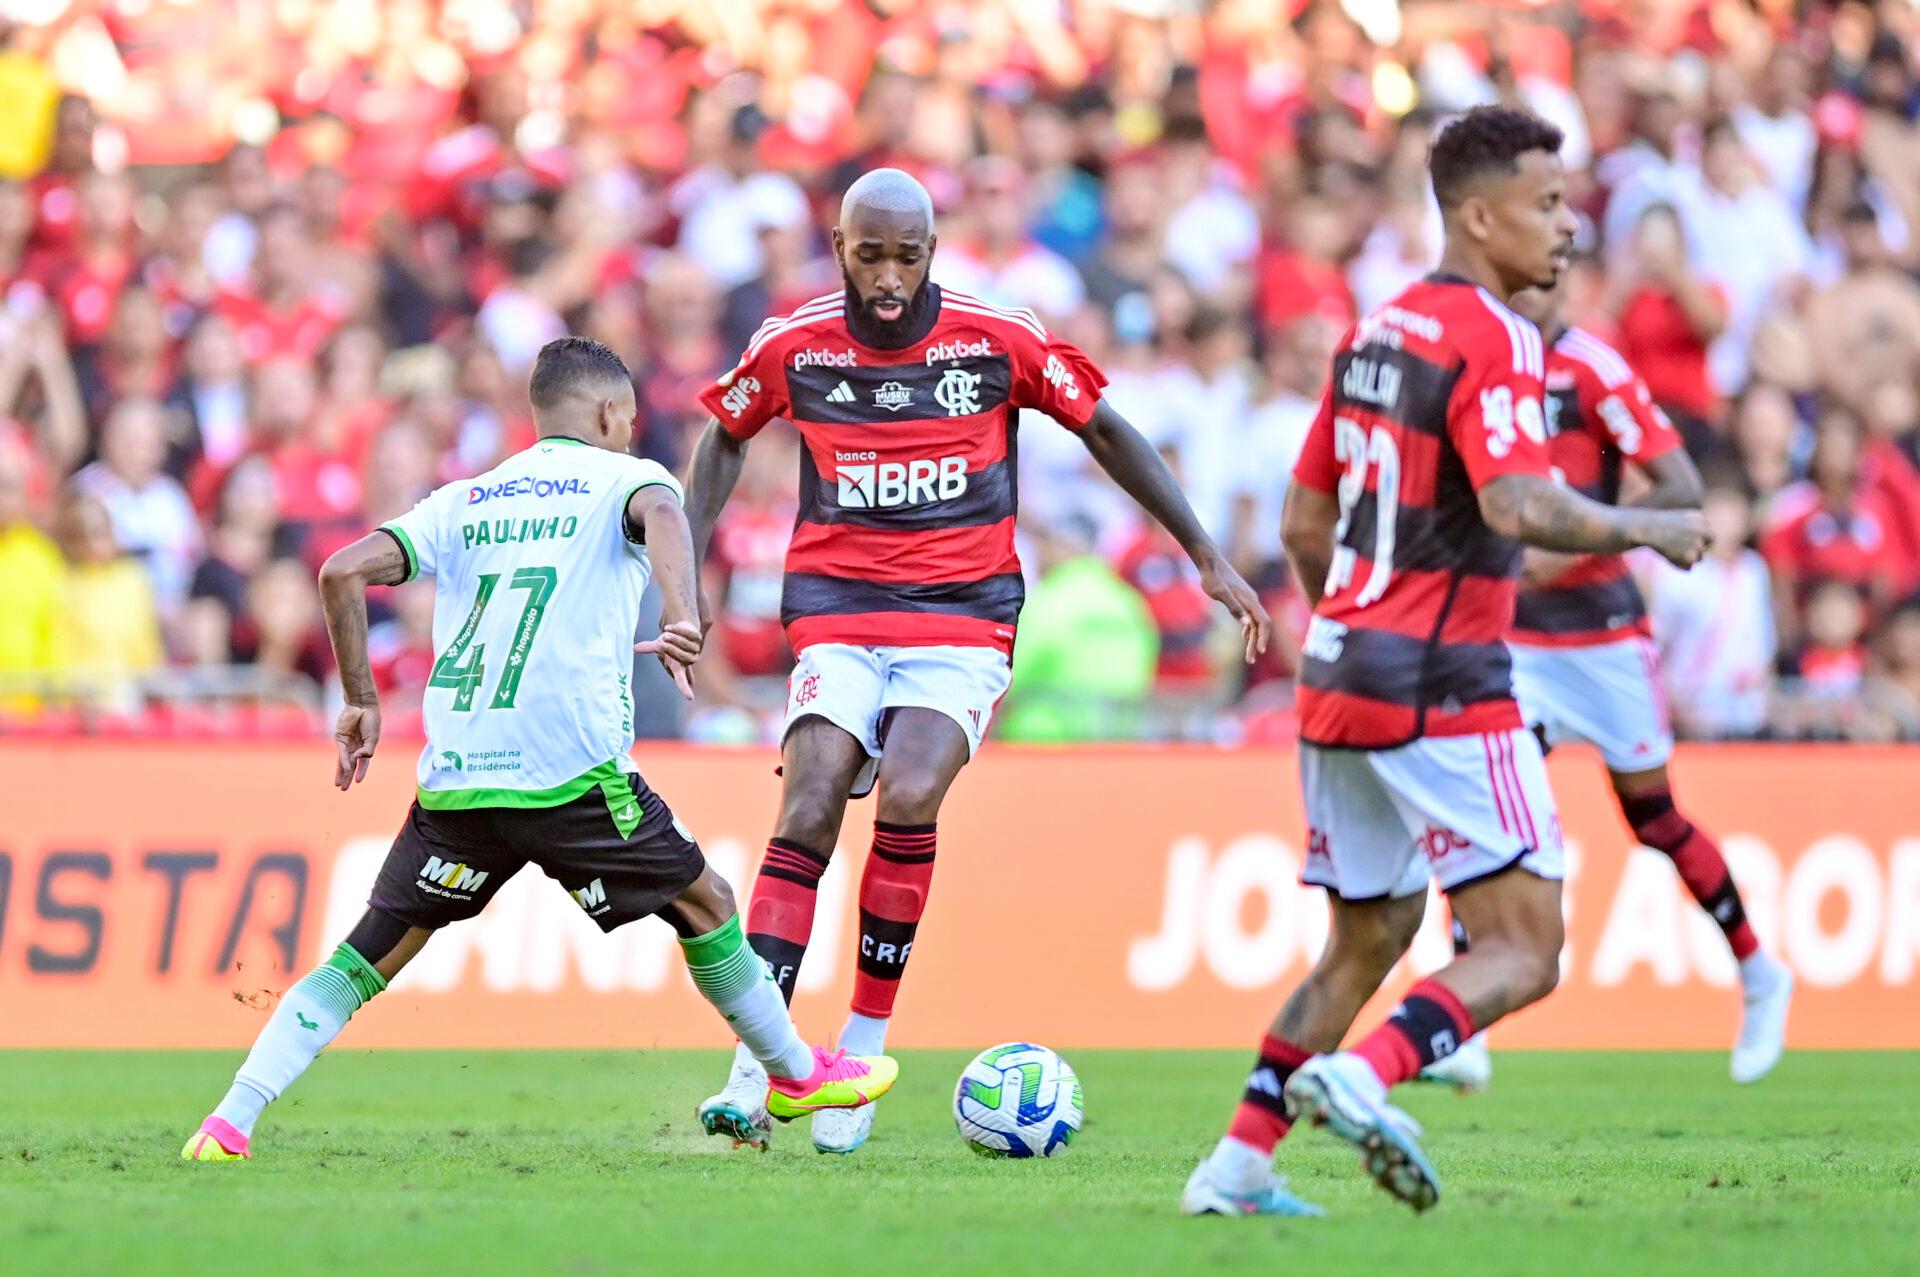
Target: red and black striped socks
1261, 1120
780, 919
893, 895
1660, 825
1429, 1024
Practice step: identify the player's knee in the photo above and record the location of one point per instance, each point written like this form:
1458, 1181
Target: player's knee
911, 797
812, 819
376, 935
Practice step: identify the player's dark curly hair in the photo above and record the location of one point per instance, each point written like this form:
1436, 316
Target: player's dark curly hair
568, 364
1483, 141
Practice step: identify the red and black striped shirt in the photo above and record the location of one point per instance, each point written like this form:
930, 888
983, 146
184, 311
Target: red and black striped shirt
1600, 415
1433, 396
905, 535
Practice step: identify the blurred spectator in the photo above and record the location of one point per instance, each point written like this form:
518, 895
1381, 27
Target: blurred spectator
1715, 627
1834, 658
1896, 670
995, 257
1212, 392
400, 650
1668, 317
32, 585
40, 403
1087, 652
280, 636
1296, 368
246, 527
717, 202
1749, 242
214, 391
1831, 527
107, 632
1866, 325
152, 518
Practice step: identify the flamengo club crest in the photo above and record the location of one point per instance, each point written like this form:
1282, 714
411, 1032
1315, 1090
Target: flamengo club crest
893, 397
958, 392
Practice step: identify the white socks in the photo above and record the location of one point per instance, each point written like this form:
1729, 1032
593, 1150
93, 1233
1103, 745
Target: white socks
309, 1016
1237, 1167
1758, 974
863, 1035
731, 976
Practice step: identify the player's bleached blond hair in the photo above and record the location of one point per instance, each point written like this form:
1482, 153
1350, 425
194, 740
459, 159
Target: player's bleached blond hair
888, 190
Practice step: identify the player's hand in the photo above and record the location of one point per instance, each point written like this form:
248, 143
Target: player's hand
678, 647
1678, 536
355, 735
1221, 582
706, 611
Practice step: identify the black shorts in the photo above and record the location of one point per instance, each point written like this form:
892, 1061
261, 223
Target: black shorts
446, 865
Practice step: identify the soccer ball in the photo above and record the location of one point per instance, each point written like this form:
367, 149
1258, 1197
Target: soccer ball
1017, 1100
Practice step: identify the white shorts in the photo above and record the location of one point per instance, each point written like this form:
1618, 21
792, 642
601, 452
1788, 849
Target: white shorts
854, 687
1451, 809
1608, 695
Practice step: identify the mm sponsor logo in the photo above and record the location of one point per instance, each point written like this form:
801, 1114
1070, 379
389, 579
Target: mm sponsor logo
823, 359
454, 876
893, 396
901, 483
528, 486
592, 897
958, 350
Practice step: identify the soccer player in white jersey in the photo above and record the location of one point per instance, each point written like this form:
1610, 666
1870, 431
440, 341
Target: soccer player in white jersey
538, 567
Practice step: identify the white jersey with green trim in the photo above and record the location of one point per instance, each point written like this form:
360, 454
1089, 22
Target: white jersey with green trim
537, 598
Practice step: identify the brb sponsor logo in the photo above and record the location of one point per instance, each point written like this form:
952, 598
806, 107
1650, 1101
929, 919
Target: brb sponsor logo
888, 485
453, 880
823, 359
528, 486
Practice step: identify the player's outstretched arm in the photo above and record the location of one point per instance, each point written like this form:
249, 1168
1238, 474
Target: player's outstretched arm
1137, 468
1307, 520
375, 559
664, 527
711, 474
1537, 511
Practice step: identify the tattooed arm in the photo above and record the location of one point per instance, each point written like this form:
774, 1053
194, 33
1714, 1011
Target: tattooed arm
1551, 516
375, 559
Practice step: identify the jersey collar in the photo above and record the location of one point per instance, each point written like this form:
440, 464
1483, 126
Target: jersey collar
578, 443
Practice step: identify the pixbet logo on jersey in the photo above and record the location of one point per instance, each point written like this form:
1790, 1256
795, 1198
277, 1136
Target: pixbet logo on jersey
823, 359
958, 350
896, 483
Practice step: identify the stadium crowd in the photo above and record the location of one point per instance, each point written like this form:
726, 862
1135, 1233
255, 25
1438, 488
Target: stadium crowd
271, 272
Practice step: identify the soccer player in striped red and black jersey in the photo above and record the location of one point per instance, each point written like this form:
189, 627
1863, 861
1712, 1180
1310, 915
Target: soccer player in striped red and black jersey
902, 589
1424, 473
1584, 664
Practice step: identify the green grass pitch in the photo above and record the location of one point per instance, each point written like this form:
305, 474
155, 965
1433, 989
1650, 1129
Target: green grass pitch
521, 1163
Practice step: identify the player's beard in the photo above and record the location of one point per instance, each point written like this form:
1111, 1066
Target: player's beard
886, 334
